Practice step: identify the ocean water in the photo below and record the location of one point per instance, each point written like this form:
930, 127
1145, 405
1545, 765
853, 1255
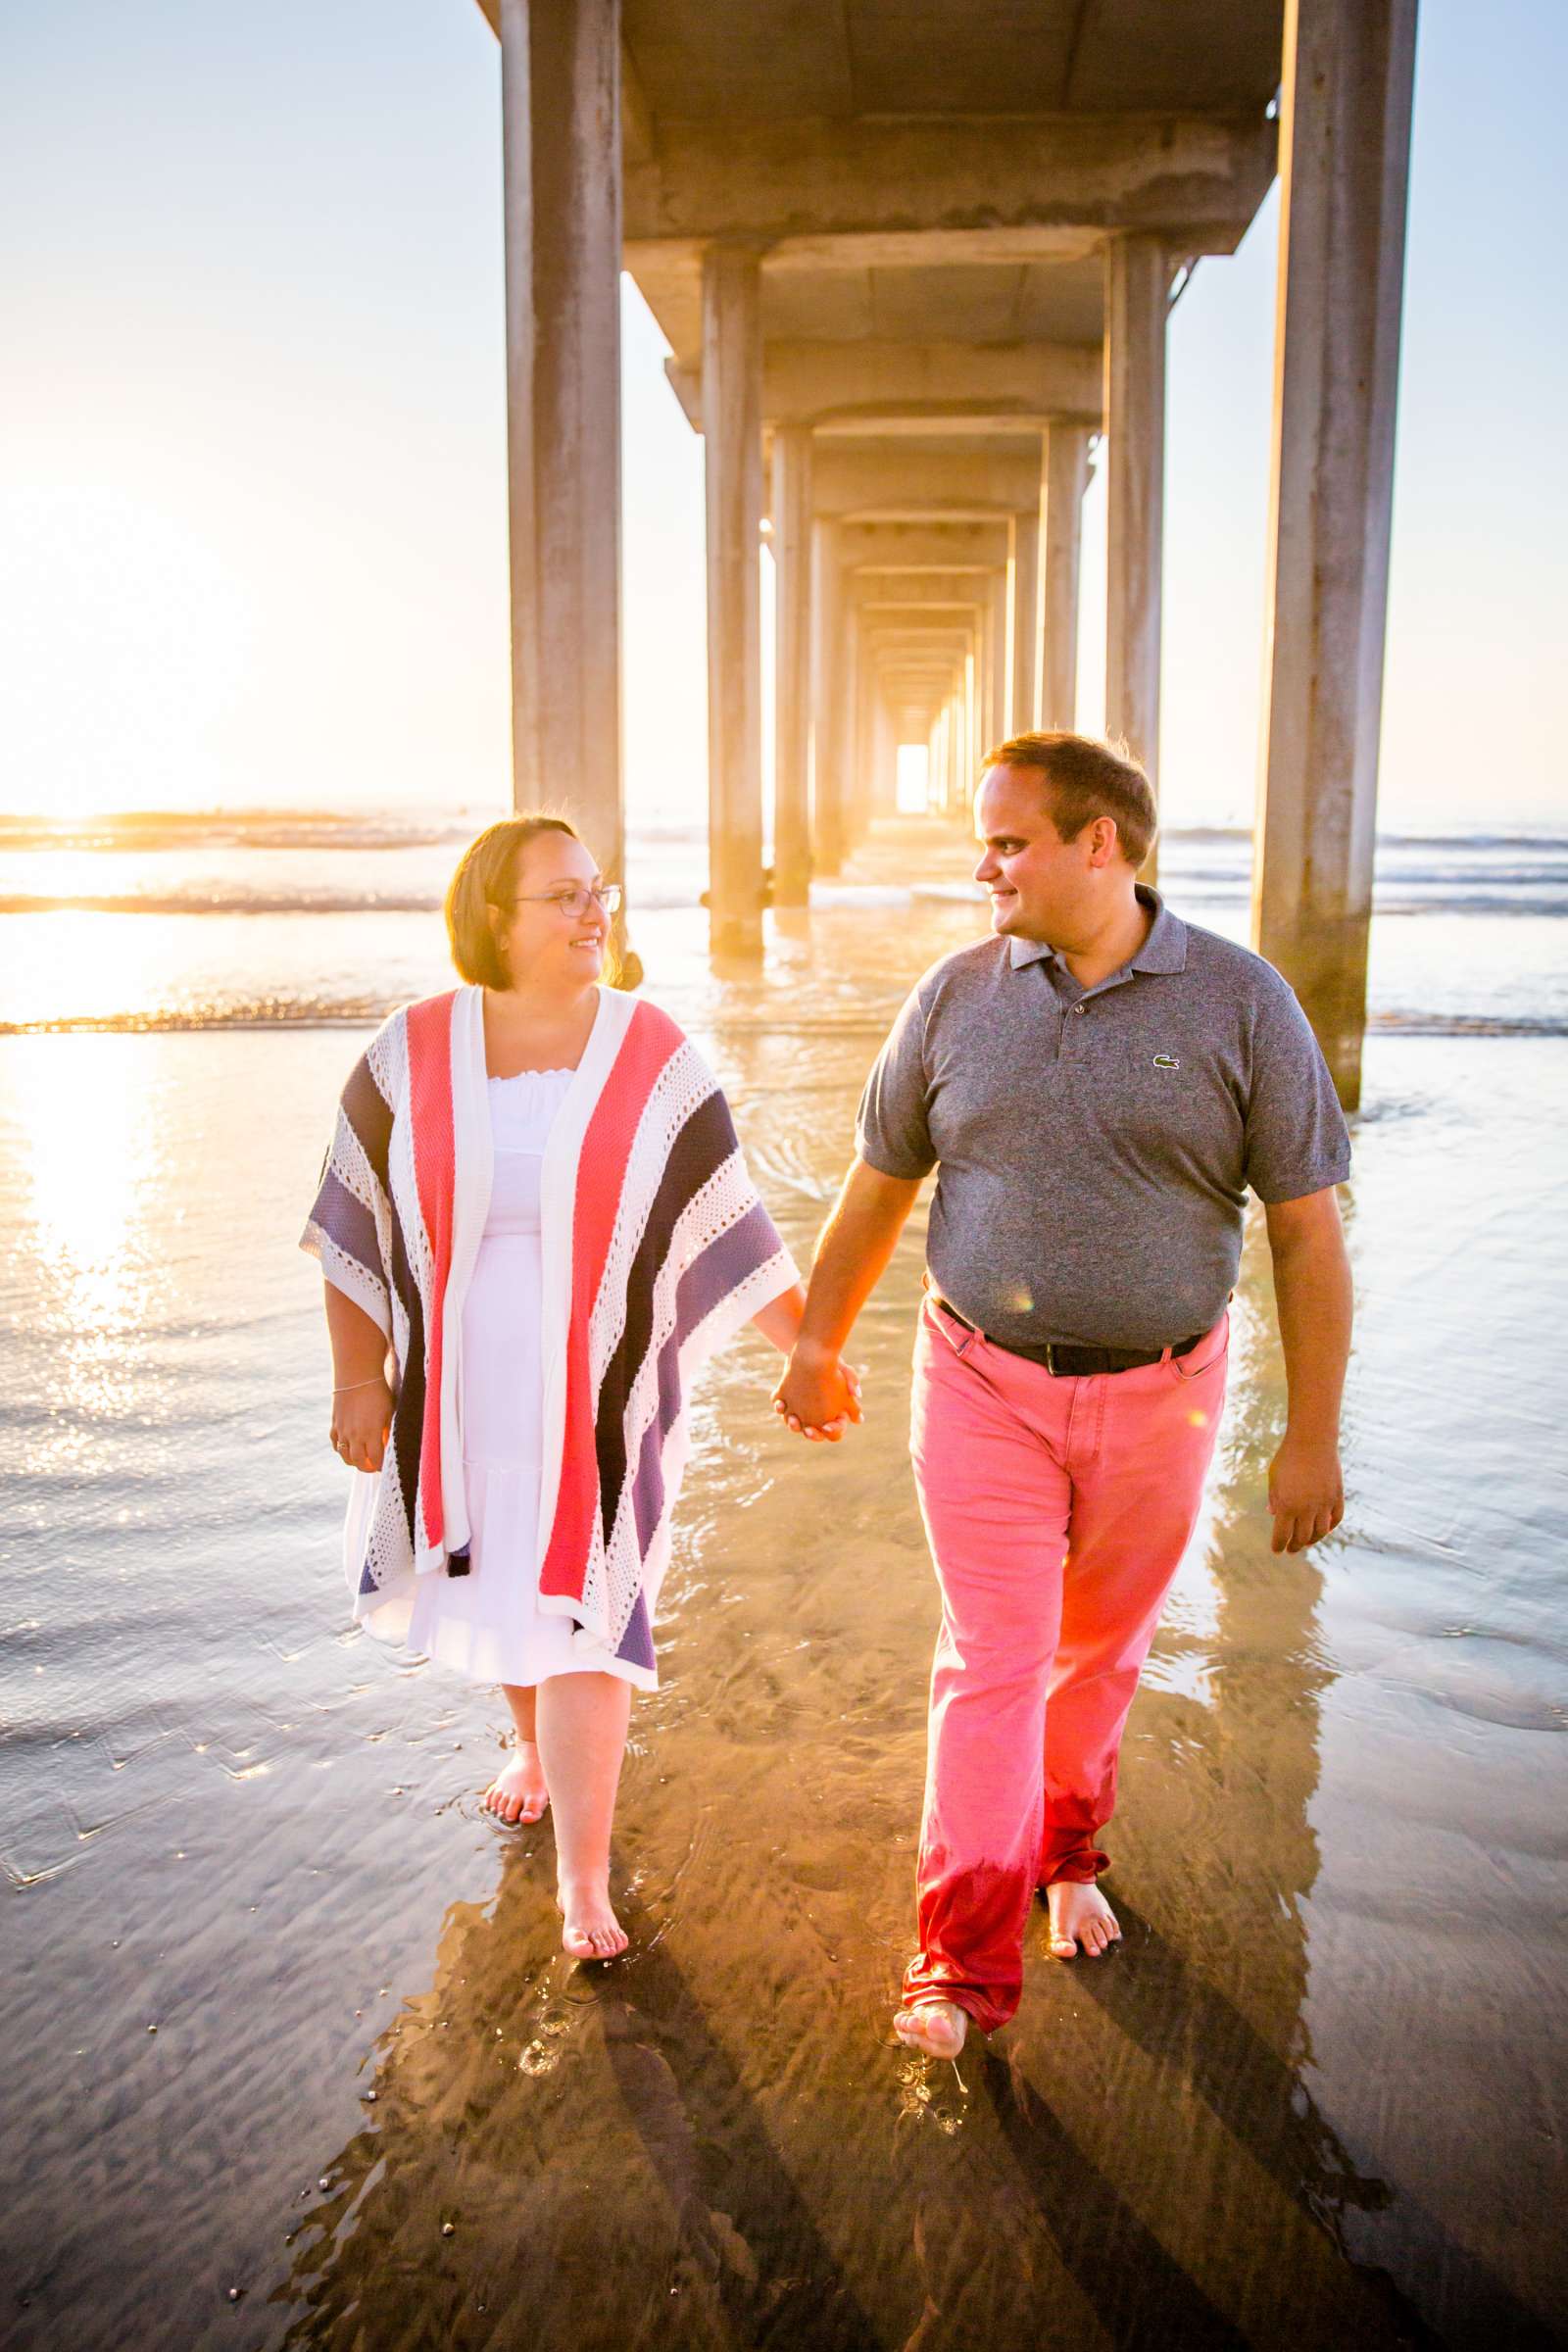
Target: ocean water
292, 2058
309, 919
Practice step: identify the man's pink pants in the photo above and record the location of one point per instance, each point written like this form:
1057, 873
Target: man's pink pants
1058, 1511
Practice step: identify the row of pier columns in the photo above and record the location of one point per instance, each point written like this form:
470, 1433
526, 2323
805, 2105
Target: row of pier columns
908, 609
908, 615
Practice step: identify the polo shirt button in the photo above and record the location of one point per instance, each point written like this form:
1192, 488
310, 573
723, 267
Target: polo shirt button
1077, 1009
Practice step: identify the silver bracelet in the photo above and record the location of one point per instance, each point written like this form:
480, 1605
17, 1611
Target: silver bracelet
379, 1381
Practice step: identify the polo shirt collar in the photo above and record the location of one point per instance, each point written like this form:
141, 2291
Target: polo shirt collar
1163, 950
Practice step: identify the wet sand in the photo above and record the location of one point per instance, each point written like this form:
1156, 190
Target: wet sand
1317, 2099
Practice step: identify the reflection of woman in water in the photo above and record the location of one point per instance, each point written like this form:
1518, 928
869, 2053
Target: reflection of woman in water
535, 1224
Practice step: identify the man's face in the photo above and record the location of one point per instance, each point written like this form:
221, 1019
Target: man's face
1038, 883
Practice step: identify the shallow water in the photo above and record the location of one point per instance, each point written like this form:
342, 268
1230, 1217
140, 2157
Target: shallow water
1317, 2098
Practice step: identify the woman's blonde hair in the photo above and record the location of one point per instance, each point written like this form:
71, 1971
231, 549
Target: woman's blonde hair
487, 877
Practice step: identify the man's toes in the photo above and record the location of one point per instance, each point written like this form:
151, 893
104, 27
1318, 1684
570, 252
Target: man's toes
1062, 1946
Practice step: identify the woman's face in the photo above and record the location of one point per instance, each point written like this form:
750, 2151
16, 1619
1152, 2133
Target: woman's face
552, 932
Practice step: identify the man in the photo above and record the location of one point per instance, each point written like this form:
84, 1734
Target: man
1098, 1085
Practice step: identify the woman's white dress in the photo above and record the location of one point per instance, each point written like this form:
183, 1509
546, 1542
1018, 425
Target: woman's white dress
488, 1624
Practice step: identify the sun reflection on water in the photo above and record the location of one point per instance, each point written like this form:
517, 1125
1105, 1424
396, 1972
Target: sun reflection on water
76, 963
81, 1162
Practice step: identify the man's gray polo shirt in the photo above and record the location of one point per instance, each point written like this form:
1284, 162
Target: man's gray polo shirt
1095, 1147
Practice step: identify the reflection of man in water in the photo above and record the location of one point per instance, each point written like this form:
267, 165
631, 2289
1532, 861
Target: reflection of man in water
1098, 1085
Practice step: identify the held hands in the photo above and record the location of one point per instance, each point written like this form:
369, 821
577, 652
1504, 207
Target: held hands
1305, 1493
818, 1397
362, 1421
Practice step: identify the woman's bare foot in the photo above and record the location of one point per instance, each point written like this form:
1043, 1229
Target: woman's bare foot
590, 1930
1081, 1920
937, 2028
517, 1794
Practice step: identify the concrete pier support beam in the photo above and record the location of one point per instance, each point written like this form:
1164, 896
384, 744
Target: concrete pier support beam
875, 763
948, 778
562, 197
792, 673
979, 737
732, 441
1023, 666
1343, 167
998, 624
1063, 478
1137, 296
830, 765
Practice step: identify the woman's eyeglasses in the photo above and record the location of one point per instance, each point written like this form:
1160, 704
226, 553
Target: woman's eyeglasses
574, 902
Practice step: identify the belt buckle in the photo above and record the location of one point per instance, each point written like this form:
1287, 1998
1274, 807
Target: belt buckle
1051, 1359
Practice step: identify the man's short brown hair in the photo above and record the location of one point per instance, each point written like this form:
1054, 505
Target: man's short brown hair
1088, 779
486, 877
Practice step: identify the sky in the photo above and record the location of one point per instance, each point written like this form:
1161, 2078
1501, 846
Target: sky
253, 445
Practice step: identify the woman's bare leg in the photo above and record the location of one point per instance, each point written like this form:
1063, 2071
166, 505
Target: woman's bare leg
520, 1792
582, 1736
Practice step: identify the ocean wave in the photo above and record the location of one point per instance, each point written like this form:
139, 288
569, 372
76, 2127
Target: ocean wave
364, 1011
140, 829
246, 905
246, 830
204, 900
1469, 1024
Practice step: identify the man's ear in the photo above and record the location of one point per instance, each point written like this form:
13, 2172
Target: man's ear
1103, 843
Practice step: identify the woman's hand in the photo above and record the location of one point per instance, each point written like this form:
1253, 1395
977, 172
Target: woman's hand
818, 1397
362, 1420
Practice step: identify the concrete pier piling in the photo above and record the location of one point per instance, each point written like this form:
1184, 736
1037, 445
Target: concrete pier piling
561, 107
926, 264
1138, 275
1064, 478
791, 502
732, 437
1343, 164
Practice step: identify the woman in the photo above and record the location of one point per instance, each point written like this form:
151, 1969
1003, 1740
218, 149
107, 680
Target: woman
535, 1224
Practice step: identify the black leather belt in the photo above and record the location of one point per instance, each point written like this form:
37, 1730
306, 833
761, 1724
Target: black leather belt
1072, 1363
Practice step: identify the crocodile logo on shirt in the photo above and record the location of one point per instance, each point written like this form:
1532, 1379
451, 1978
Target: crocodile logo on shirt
1167, 1061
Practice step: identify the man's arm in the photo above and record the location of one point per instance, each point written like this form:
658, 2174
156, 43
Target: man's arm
1313, 1298
852, 1257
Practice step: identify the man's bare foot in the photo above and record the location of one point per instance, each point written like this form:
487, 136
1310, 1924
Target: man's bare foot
1081, 1920
517, 1794
590, 1930
937, 2028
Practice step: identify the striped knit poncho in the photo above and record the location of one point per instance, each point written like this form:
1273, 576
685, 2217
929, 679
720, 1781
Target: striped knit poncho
655, 1249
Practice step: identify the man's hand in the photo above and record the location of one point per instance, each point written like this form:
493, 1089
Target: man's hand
1312, 1295
818, 1397
1305, 1493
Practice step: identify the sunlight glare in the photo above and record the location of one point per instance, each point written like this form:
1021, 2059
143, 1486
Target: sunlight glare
126, 639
